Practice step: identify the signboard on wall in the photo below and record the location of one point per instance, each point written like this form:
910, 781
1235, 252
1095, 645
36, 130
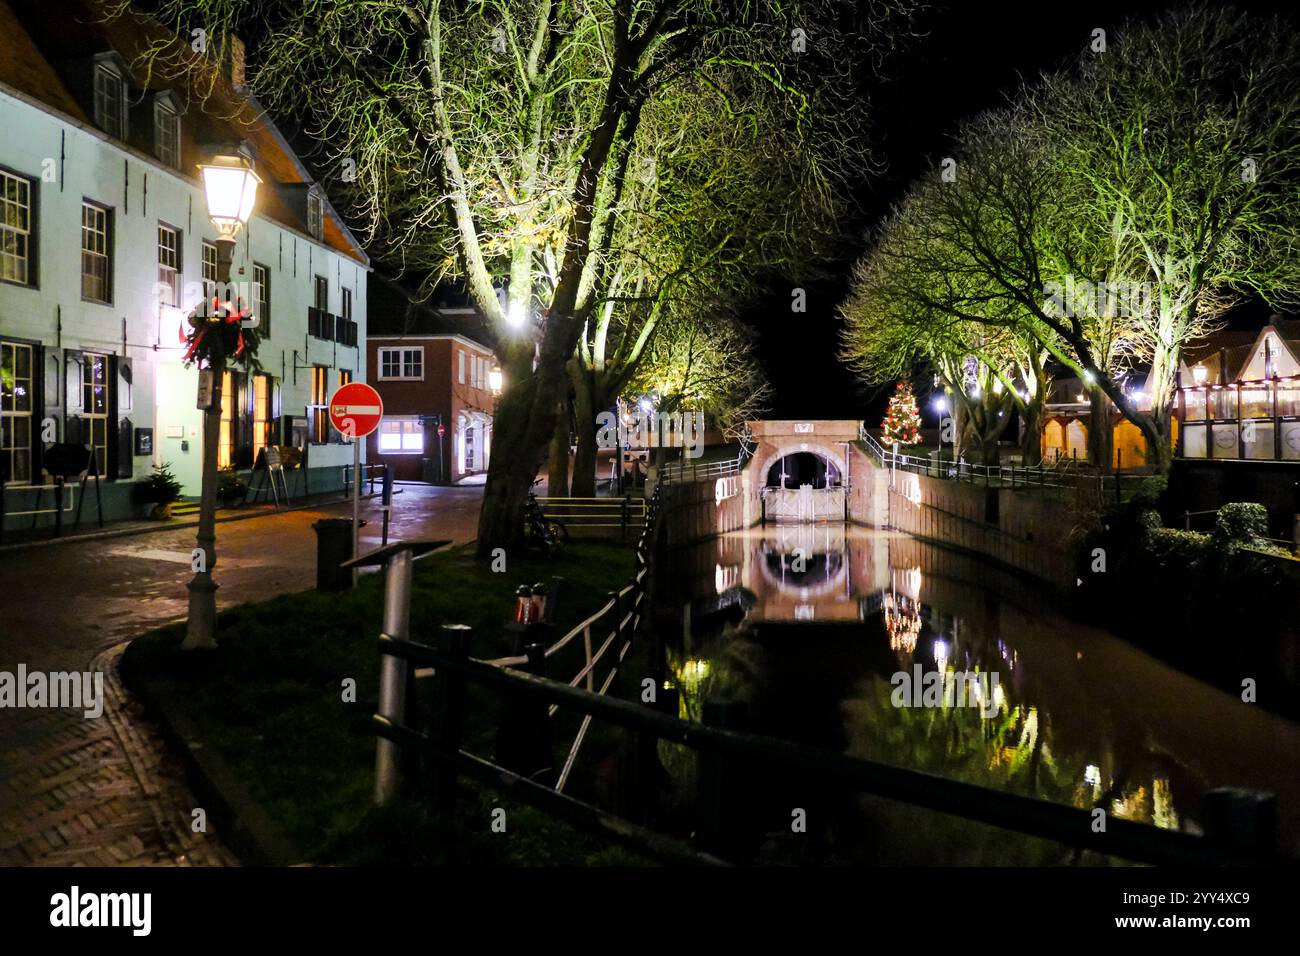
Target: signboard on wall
144, 441
205, 389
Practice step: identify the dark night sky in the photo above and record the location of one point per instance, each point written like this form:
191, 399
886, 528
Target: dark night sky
971, 57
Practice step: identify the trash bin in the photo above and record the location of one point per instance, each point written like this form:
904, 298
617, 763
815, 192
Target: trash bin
426, 470
333, 547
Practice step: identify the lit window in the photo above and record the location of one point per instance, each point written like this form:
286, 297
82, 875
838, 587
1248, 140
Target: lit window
15, 228
401, 436
16, 413
318, 408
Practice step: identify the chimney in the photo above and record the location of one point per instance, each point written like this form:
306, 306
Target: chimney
234, 62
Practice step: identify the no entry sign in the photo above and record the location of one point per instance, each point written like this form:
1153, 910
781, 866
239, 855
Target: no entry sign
355, 410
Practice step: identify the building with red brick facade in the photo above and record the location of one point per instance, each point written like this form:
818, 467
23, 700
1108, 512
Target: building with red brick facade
435, 375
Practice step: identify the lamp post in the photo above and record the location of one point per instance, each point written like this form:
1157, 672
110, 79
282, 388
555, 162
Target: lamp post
229, 189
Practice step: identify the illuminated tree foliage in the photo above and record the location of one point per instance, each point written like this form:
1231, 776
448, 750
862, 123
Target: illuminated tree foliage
518, 144
1115, 211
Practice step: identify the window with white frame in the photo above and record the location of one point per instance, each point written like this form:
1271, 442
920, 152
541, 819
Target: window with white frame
262, 298
110, 100
209, 269
96, 253
15, 229
169, 264
315, 223
396, 364
167, 133
16, 412
401, 436
461, 354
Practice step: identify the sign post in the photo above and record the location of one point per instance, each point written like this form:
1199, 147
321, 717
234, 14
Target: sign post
356, 410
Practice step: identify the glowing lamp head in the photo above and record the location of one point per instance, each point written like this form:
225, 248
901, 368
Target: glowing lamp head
940, 404
515, 315
494, 379
230, 190
1200, 373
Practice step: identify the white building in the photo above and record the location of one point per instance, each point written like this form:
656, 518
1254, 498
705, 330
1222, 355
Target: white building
105, 246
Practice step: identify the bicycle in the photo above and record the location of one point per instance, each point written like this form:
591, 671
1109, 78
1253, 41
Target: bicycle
546, 534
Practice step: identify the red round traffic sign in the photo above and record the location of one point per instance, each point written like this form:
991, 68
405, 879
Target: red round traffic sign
355, 410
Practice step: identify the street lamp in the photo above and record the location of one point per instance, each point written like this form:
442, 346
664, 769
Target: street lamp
229, 190
1200, 373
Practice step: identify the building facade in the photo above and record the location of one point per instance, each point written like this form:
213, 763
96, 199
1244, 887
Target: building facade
438, 396
106, 247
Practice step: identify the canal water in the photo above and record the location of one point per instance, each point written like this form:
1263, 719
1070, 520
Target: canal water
806, 625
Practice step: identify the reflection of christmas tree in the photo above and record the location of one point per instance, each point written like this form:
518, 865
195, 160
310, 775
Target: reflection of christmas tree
902, 424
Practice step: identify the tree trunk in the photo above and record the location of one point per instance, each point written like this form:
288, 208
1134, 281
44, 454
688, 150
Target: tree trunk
1031, 435
557, 471
584, 459
1100, 430
524, 424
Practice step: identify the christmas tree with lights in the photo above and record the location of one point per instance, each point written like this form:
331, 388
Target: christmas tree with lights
902, 424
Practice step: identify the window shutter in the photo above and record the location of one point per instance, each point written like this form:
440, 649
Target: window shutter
122, 395
125, 451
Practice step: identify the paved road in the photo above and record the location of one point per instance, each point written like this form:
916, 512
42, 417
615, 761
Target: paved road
104, 791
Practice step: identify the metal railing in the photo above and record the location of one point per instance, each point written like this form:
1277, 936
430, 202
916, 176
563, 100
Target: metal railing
1063, 473
626, 514
686, 470
621, 613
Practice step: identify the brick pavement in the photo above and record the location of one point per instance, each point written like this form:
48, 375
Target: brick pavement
105, 791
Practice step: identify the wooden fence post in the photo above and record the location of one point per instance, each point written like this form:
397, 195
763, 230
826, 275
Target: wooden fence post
715, 804
1241, 820
523, 742
447, 719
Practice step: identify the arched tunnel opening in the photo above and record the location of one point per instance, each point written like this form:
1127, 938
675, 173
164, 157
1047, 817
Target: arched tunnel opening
804, 486
803, 468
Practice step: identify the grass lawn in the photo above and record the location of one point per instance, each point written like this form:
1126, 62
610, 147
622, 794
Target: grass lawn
269, 701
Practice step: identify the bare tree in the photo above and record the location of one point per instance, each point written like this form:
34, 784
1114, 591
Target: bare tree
500, 141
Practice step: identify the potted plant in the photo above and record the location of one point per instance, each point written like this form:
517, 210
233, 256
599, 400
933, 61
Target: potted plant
230, 486
162, 489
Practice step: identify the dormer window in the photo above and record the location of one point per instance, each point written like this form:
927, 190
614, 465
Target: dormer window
315, 217
167, 130
110, 96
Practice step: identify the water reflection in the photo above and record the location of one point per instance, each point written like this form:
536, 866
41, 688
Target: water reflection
818, 620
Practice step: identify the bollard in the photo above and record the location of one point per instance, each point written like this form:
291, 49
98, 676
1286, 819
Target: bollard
387, 506
392, 671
